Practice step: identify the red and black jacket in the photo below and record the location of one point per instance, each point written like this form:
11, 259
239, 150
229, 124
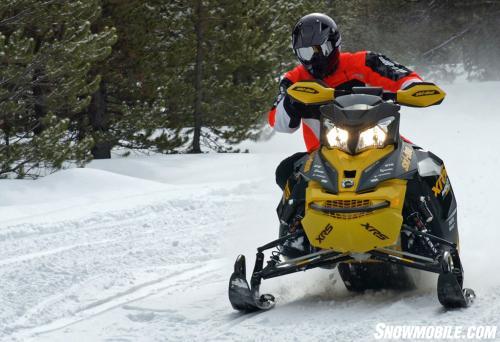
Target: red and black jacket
354, 70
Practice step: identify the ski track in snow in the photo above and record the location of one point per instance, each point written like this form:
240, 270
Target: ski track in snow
152, 263
85, 267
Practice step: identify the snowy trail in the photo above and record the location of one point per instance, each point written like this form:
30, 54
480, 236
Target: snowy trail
87, 266
141, 249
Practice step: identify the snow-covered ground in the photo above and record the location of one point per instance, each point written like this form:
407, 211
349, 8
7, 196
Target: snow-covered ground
141, 248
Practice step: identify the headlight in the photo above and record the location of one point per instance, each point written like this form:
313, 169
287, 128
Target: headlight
335, 136
374, 137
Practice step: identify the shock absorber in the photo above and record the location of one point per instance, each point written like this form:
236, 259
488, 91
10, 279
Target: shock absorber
424, 209
420, 218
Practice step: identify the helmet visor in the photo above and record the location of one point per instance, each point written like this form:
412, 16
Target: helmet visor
307, 53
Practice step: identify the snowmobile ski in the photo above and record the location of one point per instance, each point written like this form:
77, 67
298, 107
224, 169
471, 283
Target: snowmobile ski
450, 293
243, 298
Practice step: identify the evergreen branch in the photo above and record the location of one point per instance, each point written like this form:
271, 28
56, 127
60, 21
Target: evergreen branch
26, 12
446, 42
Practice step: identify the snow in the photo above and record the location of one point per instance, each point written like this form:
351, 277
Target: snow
141, 248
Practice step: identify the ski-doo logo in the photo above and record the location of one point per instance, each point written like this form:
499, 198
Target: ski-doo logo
306, 90
377, 233
307, 165
406, 158
324, 233
287, 192
347, 183
426, 93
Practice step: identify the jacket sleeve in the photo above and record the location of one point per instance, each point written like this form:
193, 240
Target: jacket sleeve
282, 116
379, 70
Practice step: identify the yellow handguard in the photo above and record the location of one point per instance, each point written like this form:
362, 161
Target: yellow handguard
311, 92
420, 95
417, 95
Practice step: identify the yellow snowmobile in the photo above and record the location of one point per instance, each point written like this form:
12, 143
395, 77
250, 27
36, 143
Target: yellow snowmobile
366, 201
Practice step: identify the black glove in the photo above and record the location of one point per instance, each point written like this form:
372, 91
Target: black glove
297, 111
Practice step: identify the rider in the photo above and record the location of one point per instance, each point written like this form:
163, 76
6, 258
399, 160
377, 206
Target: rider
316, 43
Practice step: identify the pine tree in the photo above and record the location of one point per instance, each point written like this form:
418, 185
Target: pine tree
128, 108
47, 50
225, 58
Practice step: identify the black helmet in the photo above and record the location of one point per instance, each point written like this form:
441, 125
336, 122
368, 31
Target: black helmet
316, 43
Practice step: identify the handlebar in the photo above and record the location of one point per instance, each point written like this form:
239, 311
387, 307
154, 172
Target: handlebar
416, 95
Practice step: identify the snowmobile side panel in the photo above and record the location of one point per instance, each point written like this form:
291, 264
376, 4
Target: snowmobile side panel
434, 183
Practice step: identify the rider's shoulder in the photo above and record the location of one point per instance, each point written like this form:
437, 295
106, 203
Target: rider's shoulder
352, 56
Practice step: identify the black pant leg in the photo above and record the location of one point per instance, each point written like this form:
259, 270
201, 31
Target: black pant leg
285, 169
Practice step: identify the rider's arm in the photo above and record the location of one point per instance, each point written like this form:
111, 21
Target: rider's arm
283, 116
286, 114
378, 70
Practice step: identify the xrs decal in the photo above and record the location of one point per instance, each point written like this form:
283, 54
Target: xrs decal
406, 158
377, 233
442, 185
324, 233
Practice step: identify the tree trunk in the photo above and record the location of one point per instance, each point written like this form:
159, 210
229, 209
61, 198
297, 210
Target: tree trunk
7, 142
198, 26
97, 119
39, 100
39, 96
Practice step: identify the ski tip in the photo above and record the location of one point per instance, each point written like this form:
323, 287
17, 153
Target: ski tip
240, 266
451, 295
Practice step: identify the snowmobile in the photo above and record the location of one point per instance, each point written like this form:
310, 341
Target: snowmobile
367, 201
